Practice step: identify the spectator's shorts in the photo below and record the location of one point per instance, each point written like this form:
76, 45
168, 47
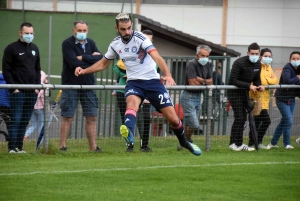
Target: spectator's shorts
153, 90
69, 100
190, 103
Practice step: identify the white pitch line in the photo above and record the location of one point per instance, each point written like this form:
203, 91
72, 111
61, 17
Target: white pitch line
145, 168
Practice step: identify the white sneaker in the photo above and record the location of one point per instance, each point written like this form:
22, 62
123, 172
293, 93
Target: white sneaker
12, 151
21, 152
289, 146
261, 146
272, 146
233, 147
244, 147
298, 141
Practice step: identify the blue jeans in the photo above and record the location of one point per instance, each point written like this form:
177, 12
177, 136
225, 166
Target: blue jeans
37, 121
286, 122
190, 103
21, 106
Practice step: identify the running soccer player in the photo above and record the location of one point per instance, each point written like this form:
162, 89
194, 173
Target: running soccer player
136, 50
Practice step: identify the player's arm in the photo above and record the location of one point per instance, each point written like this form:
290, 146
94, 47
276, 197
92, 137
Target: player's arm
163, 67
98, 66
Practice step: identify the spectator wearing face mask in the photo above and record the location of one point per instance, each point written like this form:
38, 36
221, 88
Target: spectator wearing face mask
267, 77
197, 73
78, 50
245, 74
285, 101
21, 65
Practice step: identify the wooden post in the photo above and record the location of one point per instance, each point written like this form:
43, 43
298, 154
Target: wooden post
54, 5
8, 4
138, 6
224, 24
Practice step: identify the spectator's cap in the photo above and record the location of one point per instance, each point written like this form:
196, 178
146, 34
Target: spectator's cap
265, 50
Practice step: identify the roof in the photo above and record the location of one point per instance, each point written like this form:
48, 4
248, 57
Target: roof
182, 38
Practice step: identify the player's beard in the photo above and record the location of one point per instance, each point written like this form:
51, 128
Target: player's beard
125, 37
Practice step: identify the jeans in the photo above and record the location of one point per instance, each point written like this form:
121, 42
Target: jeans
286, 122
37, 121
21, 105
190, 103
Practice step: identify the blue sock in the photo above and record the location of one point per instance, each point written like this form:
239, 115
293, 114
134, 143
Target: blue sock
129, 121
179, 132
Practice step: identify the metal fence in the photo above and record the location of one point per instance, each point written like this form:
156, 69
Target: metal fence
215, 120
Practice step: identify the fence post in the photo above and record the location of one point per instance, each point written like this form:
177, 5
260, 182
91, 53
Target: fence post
46, 121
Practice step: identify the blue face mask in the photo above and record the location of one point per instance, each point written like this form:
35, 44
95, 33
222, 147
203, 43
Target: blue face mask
81, 36
295, 63
27, 38
266, 60
202, 61
253, 58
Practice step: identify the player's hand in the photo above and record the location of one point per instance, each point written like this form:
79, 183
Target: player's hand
260, 88
79, 58
79, 71
169, 80
96, 53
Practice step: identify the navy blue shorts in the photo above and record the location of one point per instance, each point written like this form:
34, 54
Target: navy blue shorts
153, 90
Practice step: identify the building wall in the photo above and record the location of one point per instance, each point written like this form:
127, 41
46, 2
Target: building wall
268, 22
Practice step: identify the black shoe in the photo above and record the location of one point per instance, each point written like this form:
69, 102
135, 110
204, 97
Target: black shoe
63, 148
145, 149
98, 149
129, 148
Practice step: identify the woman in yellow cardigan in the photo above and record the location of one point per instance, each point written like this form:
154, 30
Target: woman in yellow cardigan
267, 77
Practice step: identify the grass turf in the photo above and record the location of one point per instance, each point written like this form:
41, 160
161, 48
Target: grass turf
164, 174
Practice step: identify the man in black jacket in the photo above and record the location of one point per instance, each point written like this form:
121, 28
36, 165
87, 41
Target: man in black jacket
21, 65
245, 74
78, 50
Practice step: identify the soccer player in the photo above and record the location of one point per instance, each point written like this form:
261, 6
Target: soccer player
136, 51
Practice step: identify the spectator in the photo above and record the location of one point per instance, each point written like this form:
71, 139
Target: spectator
21, 65
78, 50
37, 117
197, 73
4, 98
142, 79
285, 101
4, 109
217, 80
245, 70
267, 77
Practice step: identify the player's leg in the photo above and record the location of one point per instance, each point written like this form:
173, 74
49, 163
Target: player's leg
132, 107
177, 127
160, 99
134, 96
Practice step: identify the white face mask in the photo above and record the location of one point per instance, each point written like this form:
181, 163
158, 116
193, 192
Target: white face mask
203, 61
295, 63
266, 60
28, 38
253, 58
